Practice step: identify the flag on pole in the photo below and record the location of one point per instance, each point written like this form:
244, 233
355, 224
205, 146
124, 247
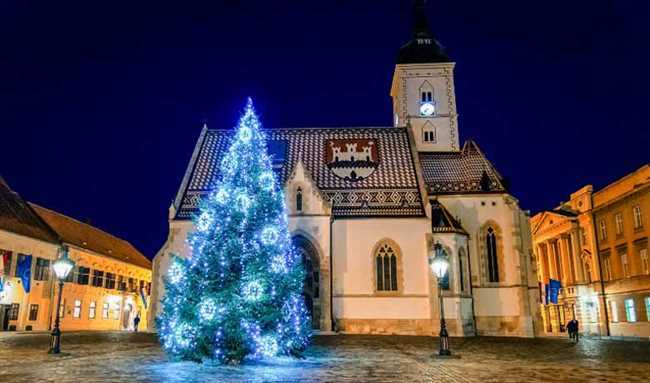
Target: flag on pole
24, 271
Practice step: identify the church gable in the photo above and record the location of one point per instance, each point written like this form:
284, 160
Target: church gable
359, 171
302, 195
466, 171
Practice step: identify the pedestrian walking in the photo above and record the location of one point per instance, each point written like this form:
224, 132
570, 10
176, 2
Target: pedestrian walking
572, 327
136, 322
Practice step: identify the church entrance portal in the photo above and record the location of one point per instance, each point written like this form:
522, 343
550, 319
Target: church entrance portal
311, 289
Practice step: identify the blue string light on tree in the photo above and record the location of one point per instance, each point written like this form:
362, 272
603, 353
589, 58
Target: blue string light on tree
236, 297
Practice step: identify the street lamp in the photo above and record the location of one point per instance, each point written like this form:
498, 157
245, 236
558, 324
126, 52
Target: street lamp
62, 267
439, 266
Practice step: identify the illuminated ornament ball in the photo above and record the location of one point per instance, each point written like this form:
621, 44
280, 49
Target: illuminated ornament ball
175, 273
242, 202
222, 196
184, 335
204, 221
267, 181
269, 235
253, 291
208, 309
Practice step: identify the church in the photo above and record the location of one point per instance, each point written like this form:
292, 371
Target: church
366, 205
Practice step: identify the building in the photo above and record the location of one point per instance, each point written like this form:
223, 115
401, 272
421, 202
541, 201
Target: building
596, 245
367, 204
108, 287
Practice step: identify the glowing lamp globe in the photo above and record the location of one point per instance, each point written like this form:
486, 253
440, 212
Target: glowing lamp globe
63, 265
439, 264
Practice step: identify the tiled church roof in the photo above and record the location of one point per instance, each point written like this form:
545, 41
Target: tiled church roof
442, 221
466, 171
18, 217
391, 190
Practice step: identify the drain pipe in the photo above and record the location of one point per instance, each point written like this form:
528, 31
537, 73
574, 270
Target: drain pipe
333, 322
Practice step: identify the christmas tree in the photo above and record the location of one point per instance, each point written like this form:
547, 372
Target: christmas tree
239, 294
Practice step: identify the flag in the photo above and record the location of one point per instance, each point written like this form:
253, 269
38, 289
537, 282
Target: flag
144, 298
24, 271
554, 290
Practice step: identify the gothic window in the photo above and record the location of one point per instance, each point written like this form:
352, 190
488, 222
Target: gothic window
427, 96
492, 260
299, 200
386, 261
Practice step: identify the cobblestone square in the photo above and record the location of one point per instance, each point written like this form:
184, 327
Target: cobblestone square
129, 357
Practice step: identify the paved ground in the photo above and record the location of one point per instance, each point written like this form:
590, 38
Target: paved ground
117, 357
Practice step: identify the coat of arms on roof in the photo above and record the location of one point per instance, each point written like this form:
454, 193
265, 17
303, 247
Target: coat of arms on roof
352, 159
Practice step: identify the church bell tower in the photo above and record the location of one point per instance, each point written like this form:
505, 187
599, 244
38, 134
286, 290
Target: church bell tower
423, 89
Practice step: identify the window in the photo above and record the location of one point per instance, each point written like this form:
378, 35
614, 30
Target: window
607, 267
647, 308
613, 311
429, 132
386, 268
110, 281
630, 312
13, 311
121, 285
76, 313
5, 258
42, 269
618, 218
116, 311
492, 260
625, 265
105, 308
148, 288
638, 217
98, 278
643, 254
603, 230
33, 312
131, 284
426, 96
83, 274
92, 308
142, 285
299, 200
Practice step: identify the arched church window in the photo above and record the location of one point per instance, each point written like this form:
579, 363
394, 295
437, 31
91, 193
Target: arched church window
299, 200
491, 251
429, 132
427, 96
386, 268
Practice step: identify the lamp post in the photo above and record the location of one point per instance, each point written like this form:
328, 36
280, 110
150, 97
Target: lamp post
62, 267
439, 266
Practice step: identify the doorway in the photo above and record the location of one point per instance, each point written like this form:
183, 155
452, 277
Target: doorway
311, 288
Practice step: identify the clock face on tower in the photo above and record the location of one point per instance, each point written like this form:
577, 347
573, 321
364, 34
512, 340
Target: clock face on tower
427, 109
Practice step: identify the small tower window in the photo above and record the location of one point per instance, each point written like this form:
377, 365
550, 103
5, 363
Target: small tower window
427, 96
429, 133
299, 200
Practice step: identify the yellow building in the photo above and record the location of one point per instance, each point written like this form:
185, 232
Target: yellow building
596, 245
107, 289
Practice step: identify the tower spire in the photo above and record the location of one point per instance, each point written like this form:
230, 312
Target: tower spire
423, 47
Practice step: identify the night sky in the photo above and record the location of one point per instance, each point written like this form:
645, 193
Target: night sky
101, 103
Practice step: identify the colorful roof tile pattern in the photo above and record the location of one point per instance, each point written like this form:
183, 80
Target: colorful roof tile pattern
390, 189
466, 171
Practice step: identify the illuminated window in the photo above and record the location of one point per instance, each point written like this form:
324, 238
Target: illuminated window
638, 217
607, 267
647, 308
116, 311
33, 312
613, 311
13, 311
76, 312
630, 312
603, 229
5, 258
92, 310
618, 218
105, 308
